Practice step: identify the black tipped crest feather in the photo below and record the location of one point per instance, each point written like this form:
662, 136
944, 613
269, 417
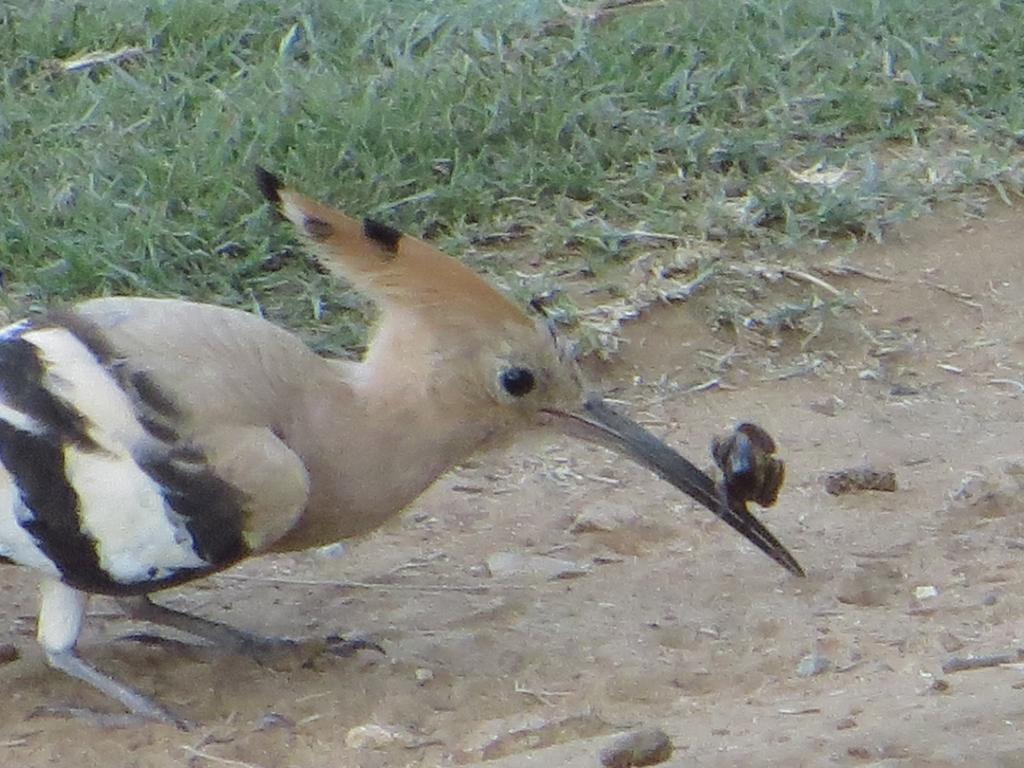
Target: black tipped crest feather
269, 184
387, 237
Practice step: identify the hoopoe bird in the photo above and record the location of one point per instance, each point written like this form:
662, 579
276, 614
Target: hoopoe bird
148, 442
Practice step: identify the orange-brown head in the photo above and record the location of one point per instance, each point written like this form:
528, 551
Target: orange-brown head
475, 357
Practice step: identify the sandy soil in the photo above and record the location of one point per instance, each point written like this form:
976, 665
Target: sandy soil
666, 617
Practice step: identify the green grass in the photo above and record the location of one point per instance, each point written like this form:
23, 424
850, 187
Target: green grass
531, 143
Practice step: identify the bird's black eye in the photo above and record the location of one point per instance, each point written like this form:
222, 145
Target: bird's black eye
517, 381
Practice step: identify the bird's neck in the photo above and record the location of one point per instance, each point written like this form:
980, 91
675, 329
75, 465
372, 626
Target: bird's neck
373, 437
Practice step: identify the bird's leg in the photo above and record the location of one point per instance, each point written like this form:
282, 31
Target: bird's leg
61, 612
140, 607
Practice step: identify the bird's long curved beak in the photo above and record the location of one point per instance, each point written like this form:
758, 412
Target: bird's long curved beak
597, 422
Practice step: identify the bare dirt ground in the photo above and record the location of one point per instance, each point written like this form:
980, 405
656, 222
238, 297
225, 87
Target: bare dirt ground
669, 619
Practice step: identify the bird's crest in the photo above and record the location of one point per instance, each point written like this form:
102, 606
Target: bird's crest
397, 271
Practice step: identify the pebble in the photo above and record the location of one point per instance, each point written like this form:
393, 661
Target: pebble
526, 731
273, 720
646, 746
506, 564
813, 664
925, 592
368, 736
8, 653
332, 551
373, 736
903, 390
857, 479
828, 407
950, 643
604, 516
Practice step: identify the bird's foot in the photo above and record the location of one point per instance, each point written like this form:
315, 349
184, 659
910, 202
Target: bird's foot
140, 707
266, 651
183, 648
348, 646
227, 639
271, 650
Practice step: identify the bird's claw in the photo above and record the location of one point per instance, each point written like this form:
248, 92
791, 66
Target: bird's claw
337, 645
168, 643
267, 651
